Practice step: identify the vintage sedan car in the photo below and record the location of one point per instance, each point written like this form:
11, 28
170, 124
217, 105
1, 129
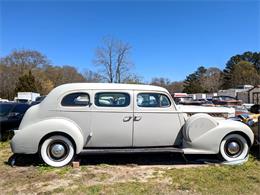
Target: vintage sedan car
91, 118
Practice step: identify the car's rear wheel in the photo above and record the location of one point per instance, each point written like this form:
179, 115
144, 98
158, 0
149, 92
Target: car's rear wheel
57, 151
234, 147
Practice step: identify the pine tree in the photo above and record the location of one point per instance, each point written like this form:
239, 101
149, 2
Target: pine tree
27, 83
192, 83
228, 73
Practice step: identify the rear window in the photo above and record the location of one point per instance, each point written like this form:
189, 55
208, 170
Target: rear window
75, 99
112, 99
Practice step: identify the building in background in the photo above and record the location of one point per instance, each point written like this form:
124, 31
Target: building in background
26, 97
234, 92
251, 96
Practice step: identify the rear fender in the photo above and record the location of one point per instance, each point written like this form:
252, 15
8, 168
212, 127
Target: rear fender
27, 139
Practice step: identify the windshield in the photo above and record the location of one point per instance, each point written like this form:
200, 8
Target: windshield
5, 109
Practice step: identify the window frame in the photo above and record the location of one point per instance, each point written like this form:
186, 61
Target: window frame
75, 105
127, 95
161, 94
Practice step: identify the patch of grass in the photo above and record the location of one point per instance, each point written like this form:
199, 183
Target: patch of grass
57, 190
103, 165
222, 179
95, 189
4, 145
64, 170
120, 188
103, 176
43, 168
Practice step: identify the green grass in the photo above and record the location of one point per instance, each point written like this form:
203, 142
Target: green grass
4, 145
244, 179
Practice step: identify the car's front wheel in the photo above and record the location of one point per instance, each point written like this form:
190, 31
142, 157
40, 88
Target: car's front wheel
57, 151
234, 147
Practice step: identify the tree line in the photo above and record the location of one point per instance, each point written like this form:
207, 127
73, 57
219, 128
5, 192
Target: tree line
29, 70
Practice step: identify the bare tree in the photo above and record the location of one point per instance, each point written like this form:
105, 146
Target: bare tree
172, 87
92, 77
47, 76
160, 81
114, 59
211, 79
16, 64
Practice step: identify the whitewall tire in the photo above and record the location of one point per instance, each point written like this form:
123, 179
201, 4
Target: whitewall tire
57, 151
234, 147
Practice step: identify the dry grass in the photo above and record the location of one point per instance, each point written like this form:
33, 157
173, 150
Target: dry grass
128, 178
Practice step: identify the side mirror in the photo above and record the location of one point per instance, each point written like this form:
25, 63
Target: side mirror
82, 100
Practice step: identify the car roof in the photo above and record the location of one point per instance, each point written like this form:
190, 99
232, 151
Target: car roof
51, 98
110, 86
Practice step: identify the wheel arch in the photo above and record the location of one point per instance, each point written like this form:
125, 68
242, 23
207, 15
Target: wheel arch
243, 134
28, 139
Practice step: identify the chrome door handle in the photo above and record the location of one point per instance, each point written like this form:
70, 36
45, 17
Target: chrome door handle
137, 118
127, 118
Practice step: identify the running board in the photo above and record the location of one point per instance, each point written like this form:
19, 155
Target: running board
131, 150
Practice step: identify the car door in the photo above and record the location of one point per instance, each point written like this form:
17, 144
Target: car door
112, 119
75, 105
156, 121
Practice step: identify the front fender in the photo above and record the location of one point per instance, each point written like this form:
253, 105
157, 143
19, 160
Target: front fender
27, 139
210, 140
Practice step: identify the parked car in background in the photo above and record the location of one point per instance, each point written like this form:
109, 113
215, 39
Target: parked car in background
38, 100
226, 101
25, 101
11, 115
248, 106
252, 120
240, 110
112, 118
255, 109
3, 100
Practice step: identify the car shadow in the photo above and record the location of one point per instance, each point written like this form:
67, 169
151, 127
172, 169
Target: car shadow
148, 159
255, 151
143, 159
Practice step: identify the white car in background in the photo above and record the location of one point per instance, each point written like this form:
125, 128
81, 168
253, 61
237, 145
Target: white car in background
107, 118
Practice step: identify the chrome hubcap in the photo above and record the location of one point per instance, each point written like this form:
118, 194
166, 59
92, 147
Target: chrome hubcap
233, 148
57, 150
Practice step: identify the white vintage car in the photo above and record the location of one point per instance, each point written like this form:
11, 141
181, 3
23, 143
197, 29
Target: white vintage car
91, 117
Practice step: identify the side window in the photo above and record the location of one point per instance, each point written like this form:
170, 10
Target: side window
112, 99
152, 100
75, 99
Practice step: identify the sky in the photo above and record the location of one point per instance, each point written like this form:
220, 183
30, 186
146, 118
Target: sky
168, 38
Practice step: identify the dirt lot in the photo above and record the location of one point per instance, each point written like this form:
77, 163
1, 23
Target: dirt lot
127, 174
